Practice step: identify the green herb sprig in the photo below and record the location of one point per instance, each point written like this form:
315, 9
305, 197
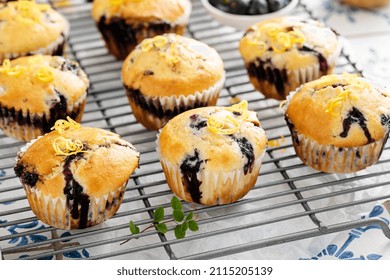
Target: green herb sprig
183, 222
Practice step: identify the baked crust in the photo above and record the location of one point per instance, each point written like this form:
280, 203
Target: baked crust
180, 66
141, 11
21, 33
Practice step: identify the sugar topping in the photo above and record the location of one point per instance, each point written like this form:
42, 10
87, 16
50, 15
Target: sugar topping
229, 120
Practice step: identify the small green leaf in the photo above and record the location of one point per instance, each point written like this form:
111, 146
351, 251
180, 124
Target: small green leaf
184, 226
190, 216
178, 215
193, 226
162, 228
158, 214
133, 228
176, 204
179, 233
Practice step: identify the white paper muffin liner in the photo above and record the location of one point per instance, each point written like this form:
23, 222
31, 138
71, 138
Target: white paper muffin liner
55, 47
208, 97
217, 188
331, 159
24, 130
55, 212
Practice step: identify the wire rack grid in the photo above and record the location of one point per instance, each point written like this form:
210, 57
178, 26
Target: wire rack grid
289, 202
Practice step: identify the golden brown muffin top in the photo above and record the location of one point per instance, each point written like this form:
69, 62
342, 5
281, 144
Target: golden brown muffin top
340, 110
289, 42
34, 83
27, 26
98, 160
172, 65
143, 10
221, 139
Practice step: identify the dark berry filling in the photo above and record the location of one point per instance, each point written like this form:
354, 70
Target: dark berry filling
68, 65
385, 120
76, 200
265, 72
148, 73
197, 122
246, 149
28, 178
189, 170
321, 59
291, 127
355, 116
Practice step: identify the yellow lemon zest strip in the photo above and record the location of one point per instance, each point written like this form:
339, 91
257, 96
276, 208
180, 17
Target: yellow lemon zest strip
335, 103
45, 74
11, 71
241, 108
276, 142
116, 2
62, 125
296, 37
66, 147
227, 126
160, 41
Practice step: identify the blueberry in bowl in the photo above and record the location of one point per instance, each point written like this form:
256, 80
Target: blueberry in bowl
249, 7
243, 13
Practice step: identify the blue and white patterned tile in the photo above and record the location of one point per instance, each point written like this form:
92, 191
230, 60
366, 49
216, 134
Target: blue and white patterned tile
350, 21
363, 243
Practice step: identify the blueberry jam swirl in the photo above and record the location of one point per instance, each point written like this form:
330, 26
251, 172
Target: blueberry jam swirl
355, 116
76, 200
29, 178
246, 149
189, 170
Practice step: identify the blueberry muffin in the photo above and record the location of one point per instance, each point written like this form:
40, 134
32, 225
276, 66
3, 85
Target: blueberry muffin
367, 4
125, 23
338, 123
82, 179
282, 53
30, 28
212, 155
169, 74
37, 90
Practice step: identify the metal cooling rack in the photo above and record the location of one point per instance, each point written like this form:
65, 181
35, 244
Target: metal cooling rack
290, 201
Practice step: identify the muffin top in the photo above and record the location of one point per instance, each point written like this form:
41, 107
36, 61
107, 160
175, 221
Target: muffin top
220, 139
172, 65
341, 110
177, 11
290, 43
36, 83
97, 160
27, 26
